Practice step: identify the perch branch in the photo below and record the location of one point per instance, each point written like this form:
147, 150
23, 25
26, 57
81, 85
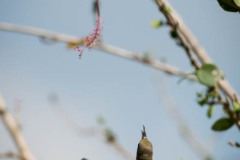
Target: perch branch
13, 129
103, 47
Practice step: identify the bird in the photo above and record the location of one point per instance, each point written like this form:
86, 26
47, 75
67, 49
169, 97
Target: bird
144, 149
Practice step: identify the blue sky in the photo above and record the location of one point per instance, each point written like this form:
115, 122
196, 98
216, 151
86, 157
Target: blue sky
124, 92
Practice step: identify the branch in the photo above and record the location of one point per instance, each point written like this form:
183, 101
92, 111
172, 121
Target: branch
103, 47
172, 17
120, 52
13, 129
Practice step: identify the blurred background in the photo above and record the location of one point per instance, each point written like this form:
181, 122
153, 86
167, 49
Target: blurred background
127, 94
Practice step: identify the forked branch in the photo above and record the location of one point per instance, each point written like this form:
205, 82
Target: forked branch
175, 20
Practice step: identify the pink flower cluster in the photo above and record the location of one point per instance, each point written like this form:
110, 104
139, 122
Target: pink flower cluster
91, 40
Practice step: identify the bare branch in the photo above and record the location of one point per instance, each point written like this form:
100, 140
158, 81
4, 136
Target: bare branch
104, 47
172, 16
13, 129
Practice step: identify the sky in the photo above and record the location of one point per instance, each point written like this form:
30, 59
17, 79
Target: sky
127, 94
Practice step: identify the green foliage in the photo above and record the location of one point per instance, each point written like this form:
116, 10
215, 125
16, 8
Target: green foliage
146, 56
222, 124
167, 9
230, 5
109, 135
208, 158
101, 120
94, 7
237, 2
210, 111
174, 34
156, 23
236, 106
209, 75
203, 100
209, 97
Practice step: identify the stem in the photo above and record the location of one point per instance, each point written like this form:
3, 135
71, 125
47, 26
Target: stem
98, 9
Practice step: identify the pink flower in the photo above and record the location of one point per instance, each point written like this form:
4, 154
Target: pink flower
91, 40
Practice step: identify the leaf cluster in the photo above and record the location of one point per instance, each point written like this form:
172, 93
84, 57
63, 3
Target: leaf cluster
230, 5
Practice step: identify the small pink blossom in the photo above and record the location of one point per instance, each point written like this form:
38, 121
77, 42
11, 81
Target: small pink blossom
91, 40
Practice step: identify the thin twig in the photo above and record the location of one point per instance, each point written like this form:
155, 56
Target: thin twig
14, 131
94, 132
172, 16
101, 46
54, 102
177, 34
173, 110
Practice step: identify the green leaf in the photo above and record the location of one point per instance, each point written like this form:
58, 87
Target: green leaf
222, 124
147, 54
209, 75
236, 106
210, 111
94, 7
208, 158
237, 2
101, 120
213, 94
156, 24
174, 34
230, 5
167, 9
203, 101
199, 94
109, 135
